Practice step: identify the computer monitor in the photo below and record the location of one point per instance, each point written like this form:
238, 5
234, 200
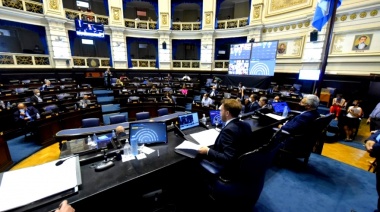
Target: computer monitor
148, 132
215, 117
278, 107
188, 121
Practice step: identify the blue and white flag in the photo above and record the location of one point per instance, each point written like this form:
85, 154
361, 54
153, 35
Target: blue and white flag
323, 12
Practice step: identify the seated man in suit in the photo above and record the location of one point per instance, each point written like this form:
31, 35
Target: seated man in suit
36, 98
302, 122
24, 113
251, 103
213, 92
46, 85
120, 132
231, 142
84, 102
263, 103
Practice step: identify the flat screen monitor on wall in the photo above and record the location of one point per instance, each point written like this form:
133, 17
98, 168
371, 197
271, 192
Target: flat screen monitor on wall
89, 29
240, 51
307, 74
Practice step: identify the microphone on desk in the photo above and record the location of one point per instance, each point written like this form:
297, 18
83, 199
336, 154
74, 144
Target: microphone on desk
63, 160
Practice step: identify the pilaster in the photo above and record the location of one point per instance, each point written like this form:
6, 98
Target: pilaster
116, 17
118, 48
58, 43
164, 55
208, 16
54, 8
207, 50
164, 14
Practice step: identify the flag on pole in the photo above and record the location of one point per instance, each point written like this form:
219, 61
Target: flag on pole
323, 12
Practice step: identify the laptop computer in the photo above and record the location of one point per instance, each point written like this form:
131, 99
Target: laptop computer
148, 133
187, 123
278, 107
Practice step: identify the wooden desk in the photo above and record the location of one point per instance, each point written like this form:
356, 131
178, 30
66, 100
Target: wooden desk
5, 156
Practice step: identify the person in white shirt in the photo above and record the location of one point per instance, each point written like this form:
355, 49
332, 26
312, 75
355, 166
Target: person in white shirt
206, 101
186, 77
352, 120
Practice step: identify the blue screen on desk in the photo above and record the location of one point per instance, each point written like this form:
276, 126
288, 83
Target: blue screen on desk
278, 107
215, 117
188, 121
148, 132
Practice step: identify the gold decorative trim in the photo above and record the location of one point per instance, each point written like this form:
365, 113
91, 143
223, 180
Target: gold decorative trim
208, 15
353, 16
363, 14
291, 47
343, 17
287, 27
281, 28
264, 30
270, 30
116, 13
277, 7
165, 19
53, 4
373, 13
300, 25
294, 26
307, 23
275, 29
257, 11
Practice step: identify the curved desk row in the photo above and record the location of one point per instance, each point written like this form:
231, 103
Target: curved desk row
82, 132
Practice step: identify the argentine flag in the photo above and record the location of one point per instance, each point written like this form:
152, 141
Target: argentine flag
323, 12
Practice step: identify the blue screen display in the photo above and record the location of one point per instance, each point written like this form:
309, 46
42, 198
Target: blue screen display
278, 107
238, 67
262, 67
240, 51
148, 132
188, 121
215, 117
89, 29
266, 50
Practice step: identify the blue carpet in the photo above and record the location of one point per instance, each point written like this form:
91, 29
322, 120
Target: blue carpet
327, 185
21, 148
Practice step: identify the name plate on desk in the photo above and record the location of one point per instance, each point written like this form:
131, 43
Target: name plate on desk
294, 97
49, 116
51, 89
92, 106
48, 101
8, 94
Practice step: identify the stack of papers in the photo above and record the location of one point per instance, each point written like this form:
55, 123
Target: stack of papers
206, 137
274, 116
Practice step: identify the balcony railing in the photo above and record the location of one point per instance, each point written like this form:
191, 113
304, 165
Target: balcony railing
232, 23
91, 61
86, 16
222, 64
24, 59
143, 63
186, 26
186, 64
29, 6
130, 23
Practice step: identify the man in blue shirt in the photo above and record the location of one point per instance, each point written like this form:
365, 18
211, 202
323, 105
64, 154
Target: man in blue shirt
372, 144
374, 118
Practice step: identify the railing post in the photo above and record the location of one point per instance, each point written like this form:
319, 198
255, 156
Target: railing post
23, 6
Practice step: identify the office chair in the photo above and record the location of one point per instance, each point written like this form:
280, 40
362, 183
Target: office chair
53, 108
301, 146
242, 192
162, 111
142, 115
115, 119
90, 122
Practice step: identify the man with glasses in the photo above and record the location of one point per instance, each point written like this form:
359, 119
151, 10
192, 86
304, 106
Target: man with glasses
303, 122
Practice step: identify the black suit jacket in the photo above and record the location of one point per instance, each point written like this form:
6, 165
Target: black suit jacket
32, 111
302, 123
34, 99
252, 106
234, 140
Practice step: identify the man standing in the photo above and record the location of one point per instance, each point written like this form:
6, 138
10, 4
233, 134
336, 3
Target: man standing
36, 98
374, 118
107, 78
233, 140
372, 144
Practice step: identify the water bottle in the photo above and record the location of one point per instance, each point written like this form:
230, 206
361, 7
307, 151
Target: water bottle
127, 149
9, 105
38, 116
204, 119
89, 139
285, 113
113, 134
75, 107
94, 138
134, 147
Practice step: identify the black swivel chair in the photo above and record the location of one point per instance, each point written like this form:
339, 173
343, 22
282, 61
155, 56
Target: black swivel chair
117, 119
90, 122
242, 193
301, 146
142, 115
162, 111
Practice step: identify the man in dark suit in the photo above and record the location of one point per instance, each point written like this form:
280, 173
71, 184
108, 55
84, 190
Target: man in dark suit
36, 98
24, 113
303, 122
372, 144
232, 141
362, 45
252, 103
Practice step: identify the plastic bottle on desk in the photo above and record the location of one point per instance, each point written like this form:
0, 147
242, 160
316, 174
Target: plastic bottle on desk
204, 119
94, 138
285, 112
127, 149
9, 105
113, 134
134, 147
89, 140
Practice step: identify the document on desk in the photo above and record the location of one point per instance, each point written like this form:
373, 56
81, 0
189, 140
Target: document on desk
24, 186
188, 149
206, 137
274, 116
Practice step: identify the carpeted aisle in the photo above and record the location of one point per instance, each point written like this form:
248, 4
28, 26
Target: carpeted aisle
327, 185
21, 148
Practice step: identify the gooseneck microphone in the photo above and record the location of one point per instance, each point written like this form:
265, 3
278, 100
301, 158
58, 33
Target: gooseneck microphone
63, 160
